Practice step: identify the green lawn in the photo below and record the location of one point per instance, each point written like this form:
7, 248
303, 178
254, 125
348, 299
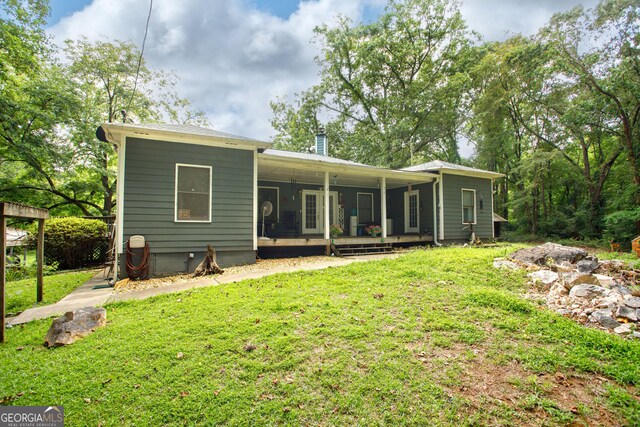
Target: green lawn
21, 294
436, 337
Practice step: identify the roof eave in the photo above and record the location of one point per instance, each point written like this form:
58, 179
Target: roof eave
115, 134
367, 170
478, 174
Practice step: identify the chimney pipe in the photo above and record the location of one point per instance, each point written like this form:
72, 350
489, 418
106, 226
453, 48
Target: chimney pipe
322, 143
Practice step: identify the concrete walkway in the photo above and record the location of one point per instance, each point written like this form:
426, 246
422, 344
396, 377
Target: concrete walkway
93, 292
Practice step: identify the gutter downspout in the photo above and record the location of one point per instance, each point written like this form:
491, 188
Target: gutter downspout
435, 211
441, 194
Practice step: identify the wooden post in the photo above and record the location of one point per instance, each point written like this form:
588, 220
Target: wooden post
40, 257
3, 261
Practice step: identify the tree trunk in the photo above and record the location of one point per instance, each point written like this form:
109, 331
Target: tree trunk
208, 264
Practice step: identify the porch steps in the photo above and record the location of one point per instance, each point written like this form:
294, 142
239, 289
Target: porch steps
354, 249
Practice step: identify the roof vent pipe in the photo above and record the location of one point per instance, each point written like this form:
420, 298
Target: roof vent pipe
322, 144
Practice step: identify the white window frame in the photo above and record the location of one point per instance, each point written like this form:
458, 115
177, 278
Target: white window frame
373, 212
175, 206
407, 195
475, 205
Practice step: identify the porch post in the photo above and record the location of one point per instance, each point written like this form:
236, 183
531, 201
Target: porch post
383, 207
327, 230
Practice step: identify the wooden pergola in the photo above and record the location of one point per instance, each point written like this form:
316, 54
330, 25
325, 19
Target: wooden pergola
16, 210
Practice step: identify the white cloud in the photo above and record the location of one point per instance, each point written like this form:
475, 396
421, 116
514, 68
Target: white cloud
233, 59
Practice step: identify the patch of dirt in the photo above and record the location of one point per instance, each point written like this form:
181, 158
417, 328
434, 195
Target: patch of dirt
465, 372
260, 265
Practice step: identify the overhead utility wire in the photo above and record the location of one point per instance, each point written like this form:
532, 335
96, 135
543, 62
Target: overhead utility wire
144, 41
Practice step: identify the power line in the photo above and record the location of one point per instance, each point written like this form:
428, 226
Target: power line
144, 41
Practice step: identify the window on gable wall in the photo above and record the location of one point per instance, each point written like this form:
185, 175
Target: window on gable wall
193, 193
468, 206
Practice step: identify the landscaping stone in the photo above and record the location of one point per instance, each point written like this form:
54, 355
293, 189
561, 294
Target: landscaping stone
505, 263
558, 253
623, 329
587, 265
546, 277
604, 281
633, 302
604, 318
587, 291
602, 299
627, 313
573, 278
74, 325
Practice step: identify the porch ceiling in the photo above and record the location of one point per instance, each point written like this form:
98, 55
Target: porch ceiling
312, 172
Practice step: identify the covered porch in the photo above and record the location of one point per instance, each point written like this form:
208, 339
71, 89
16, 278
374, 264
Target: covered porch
309, 193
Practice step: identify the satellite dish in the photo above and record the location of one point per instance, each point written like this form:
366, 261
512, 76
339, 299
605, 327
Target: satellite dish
266, 208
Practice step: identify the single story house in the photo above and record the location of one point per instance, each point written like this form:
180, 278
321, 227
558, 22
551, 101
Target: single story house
183, 187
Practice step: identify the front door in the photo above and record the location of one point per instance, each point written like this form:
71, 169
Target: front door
412, 211
313, 210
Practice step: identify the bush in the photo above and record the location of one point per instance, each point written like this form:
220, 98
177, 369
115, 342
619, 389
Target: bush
620, 227
74, 242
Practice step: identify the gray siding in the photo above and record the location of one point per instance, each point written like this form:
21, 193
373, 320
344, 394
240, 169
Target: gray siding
452, 197
149, 191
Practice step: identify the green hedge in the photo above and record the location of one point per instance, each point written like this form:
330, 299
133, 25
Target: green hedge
74, 242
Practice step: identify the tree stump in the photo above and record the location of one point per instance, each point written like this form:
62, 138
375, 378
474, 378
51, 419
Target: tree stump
208, 264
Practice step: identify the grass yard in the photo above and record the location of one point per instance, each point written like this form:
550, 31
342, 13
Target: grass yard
21, 294
436, 337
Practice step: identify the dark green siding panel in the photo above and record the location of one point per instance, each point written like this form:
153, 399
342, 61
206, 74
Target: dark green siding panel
452, 197
395, 209
149, 191
292, 202
395, 203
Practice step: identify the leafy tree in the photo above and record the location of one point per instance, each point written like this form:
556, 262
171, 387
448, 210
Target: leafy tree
599, 50
114, 83
393, 89
49, 112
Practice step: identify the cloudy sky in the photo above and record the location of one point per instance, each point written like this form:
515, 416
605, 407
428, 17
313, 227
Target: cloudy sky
235, 56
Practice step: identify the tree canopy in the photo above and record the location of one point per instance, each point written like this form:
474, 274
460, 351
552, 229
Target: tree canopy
557, 112
53, 98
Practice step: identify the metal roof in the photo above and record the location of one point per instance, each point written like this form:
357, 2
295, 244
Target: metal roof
439, 165
314, 157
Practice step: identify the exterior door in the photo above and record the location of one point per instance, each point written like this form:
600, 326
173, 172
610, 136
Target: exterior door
412, 211
313, 210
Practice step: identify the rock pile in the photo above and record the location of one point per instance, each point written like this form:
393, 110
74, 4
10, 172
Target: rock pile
596, 293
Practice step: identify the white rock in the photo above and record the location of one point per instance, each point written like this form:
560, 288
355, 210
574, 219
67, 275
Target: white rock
623, 329
546, 277
505, 263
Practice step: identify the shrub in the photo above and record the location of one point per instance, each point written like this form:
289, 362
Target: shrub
74, 242
620, 227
